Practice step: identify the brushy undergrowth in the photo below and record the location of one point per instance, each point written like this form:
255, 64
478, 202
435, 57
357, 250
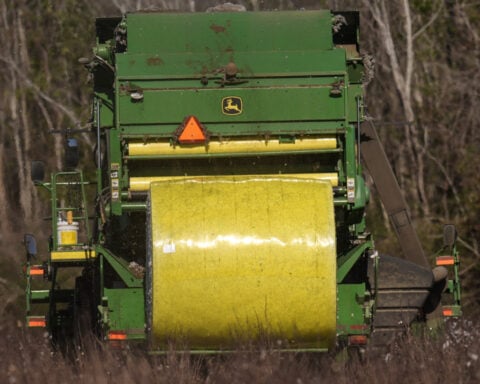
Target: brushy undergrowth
452, 357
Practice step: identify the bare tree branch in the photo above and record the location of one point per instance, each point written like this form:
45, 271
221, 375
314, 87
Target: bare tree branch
70, 114
426, 25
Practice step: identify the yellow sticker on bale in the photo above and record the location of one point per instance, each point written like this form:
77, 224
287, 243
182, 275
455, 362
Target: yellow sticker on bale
238, 258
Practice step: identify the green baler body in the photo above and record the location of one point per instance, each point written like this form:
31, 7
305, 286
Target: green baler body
287, 71
296, 80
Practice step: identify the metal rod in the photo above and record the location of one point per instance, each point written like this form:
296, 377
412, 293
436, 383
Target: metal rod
358, 132
99, 155
134, 206
338, 201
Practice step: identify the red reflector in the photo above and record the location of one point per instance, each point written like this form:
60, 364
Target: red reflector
36, 271
357, 339
37, 322
447, 312
359, 327
192, 132
117, 335
445, 260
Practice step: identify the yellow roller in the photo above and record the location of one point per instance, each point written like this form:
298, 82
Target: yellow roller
232, 146
141, 184
237, 258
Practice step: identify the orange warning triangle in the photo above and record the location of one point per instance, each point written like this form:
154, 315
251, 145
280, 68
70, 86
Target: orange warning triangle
192, 131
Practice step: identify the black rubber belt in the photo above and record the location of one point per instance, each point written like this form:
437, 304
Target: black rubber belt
387, 186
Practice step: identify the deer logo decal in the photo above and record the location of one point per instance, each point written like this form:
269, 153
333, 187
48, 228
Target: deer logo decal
232, 105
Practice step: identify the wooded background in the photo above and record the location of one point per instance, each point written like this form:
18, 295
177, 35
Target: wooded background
424, 100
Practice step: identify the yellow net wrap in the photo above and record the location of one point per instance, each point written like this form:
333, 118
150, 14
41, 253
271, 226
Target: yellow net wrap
142, 183
237, 258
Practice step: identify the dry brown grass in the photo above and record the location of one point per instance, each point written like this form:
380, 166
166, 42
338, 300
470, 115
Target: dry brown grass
452, 358
26, 357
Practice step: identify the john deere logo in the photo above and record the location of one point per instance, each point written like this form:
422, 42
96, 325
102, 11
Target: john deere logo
232, 105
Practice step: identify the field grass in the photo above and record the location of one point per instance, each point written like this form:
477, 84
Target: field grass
453, 357
26, 356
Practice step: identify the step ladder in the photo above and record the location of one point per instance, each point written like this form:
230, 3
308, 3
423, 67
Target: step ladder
69, 246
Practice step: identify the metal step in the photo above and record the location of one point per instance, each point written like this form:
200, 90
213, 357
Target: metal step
59, 295
396, 273
401, 298
401, 290
383, 336
40, 296
394, 317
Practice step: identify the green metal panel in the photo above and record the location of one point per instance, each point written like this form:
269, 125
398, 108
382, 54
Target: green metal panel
352, 309
288, 72
266, 104
126, 311
214, 32
164, 65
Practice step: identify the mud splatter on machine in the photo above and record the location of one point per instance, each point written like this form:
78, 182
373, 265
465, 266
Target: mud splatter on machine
229, 200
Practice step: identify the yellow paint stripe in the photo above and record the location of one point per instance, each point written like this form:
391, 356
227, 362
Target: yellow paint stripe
233, 146
72, 255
